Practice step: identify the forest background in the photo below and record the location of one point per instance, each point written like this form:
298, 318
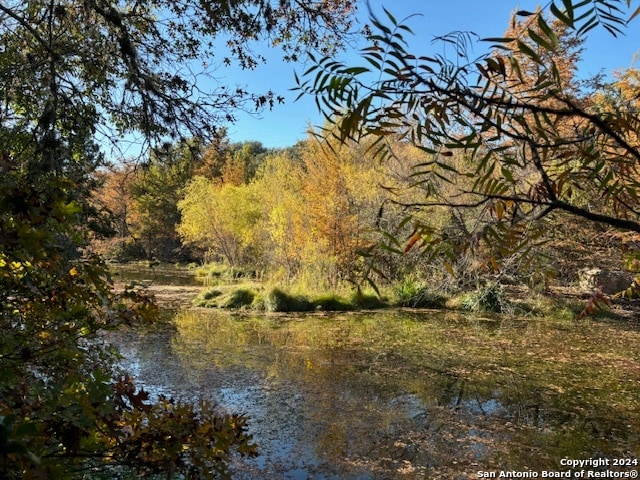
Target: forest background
330, 212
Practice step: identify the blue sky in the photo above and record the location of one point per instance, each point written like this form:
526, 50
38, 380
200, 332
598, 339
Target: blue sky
287, 123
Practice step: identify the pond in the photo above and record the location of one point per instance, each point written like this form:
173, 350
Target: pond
404, 395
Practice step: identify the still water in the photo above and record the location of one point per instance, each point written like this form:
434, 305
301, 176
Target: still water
403, 395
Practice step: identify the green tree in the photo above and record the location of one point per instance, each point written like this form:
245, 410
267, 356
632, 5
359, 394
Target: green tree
533, 147
76, 78
156, 190
242, 162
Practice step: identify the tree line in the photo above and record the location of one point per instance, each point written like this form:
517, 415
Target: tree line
527, 161
307, 212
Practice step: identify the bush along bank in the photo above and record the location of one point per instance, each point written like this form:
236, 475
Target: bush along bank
487, 299
254, 297
276, 299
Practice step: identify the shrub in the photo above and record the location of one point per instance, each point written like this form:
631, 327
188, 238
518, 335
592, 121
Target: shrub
121, 250
490, 298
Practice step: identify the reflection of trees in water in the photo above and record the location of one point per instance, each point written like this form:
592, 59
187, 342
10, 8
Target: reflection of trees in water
388, 394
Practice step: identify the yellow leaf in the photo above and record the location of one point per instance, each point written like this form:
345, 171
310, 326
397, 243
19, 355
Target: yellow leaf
449, 268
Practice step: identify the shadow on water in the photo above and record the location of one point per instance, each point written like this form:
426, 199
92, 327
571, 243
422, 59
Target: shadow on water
386, 396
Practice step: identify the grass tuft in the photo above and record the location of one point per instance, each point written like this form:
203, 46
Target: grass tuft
332, 303
490, 298
239, 298
416, 294
278, 300
236, 298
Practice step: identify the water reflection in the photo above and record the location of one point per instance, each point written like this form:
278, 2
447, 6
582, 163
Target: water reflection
159, 275
403, 396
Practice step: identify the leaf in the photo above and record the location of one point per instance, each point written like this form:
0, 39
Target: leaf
506, 173
356, 70
449, 269
634, 15
597, 301
413, 239
529, 52
390, 16
548, 31
568, 21
498, 39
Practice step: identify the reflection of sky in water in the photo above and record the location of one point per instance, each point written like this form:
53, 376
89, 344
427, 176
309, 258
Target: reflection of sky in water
282, 414
333, 414
275, 424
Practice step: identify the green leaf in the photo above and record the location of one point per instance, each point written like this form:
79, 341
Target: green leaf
548, 31
390, 16
498, 39
506, 173
568, 21
529, 52
356, 70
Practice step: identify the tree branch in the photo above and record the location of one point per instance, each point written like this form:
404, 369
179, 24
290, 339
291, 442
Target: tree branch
23, 23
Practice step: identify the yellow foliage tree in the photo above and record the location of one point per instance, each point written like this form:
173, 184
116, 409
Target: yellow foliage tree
220, 218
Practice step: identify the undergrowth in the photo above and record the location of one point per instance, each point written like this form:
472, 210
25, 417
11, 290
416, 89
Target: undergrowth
491, 298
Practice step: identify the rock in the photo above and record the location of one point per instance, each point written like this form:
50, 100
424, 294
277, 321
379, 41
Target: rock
609, 281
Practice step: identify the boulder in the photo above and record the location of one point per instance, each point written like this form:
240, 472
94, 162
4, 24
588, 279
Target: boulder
609, 281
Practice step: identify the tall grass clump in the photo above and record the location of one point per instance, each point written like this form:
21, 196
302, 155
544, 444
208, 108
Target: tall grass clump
368, 301
208, 298
232, 298
417, 294
332, 303
240, 298
277, 300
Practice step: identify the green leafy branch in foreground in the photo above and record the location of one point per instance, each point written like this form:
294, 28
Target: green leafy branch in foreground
63, 410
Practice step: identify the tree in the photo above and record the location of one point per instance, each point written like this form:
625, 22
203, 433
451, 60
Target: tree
304, 215
341, 195
534, 146
242, 162
77, 78
221, 218
114, 197
156, 189
277, 187
95, 57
